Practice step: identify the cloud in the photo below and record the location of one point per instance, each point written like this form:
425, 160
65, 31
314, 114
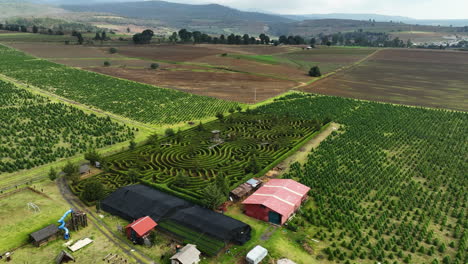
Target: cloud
422, 9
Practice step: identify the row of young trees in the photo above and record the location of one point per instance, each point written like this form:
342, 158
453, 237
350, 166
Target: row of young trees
360, 38
33, 29
185, 36
384, 190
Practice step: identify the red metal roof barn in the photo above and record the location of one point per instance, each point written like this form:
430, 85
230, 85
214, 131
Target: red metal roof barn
140, 229
276, 200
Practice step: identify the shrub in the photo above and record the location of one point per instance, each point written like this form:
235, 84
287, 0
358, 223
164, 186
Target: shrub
315, 72
169, 132
112, 50
107, 64
154, 66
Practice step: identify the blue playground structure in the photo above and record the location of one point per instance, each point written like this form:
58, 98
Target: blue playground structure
62, 224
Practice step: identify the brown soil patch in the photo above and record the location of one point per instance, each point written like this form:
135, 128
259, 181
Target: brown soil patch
224, 85
413, 77
178, 53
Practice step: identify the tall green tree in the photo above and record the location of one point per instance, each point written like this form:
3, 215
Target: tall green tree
315, 72
52, 174
212, 196
93, 190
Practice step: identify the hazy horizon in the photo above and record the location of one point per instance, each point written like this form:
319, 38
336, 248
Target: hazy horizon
417, 9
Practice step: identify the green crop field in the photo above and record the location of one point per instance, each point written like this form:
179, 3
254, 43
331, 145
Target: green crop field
389, 186
35, 131
252, 144
141, 102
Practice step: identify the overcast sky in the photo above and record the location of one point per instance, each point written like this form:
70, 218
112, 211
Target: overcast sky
421, 9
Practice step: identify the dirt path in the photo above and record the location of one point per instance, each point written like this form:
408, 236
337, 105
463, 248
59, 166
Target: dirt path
301, 155
344, 68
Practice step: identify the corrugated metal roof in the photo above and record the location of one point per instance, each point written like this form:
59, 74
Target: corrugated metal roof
188, 254
280, 195
142, 225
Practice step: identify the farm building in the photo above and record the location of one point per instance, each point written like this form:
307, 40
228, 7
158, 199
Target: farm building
187, 255
136, 201
244, 189
140, 229
44, 235
276, 200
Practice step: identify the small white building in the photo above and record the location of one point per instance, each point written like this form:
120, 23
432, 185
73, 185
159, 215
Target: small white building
256, 255
187, 255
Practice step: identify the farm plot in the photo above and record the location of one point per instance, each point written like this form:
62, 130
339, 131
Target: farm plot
141, 102
328, 59
239, 87
413, 77
390, 186
35, 131
184, 164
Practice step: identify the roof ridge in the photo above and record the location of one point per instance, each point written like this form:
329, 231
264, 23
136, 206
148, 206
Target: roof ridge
283, 187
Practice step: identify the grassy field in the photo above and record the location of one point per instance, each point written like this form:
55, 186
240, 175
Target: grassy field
412, 77
17, 221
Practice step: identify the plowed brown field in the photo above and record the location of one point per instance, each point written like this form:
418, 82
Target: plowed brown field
413, 77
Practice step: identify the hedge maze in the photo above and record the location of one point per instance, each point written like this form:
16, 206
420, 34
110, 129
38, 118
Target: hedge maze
35, 131
185, 163
389, 187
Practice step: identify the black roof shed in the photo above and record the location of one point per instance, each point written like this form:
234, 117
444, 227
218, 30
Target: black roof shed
135, 201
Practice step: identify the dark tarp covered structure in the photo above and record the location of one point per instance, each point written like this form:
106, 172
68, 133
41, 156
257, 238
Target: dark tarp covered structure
135, 201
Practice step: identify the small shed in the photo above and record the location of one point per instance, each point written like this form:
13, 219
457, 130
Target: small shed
241, 191
84, 169
44, 235
187, 255
216, 135
140, 229
64, 257
254, 183
256, 255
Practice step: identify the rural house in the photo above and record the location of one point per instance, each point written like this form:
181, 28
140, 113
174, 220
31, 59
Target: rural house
187, 255
140, 229
276, 201
44, 235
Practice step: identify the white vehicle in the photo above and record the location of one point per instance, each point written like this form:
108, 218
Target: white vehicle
256, 255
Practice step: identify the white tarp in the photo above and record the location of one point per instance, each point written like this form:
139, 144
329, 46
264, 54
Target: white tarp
80, 244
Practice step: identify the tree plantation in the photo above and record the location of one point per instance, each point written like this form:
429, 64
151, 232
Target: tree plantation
225, 153
141, 102
35, 131
389, 187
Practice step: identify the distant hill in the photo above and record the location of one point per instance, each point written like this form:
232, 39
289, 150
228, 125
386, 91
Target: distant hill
210, 18
329, 26
13, 8
382, 18
376, 17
